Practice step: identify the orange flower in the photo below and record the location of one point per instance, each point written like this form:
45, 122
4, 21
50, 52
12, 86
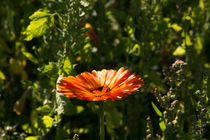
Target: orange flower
100, 85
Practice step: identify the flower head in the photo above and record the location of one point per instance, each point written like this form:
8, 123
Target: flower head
100, 85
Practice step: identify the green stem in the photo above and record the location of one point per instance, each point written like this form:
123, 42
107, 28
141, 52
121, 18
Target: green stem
101, 119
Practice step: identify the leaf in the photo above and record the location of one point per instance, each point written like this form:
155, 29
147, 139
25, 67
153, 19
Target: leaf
40, 25
30, 57
51, 69
38, 14
201, 4
207, 65
176, 27
198, 45
47, 121
2, 76
31, 138
162, 125
180, 51
80, 108
157, 8
44, 110
67, 66
156, 110
27, 128
188, 40
136, 50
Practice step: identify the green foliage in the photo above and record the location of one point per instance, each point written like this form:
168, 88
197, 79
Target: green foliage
31, 138
44, 110
51, 69
41, 23
180, 51
156, 110
43, 41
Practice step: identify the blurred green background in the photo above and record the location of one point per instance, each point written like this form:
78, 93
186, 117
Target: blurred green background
43, 39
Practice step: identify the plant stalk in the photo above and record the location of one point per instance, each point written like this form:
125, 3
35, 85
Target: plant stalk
101, 119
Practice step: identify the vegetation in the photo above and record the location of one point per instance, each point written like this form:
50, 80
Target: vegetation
166, 42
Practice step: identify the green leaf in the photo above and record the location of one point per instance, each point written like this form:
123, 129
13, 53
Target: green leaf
157, 8
162, 125
67, 66
198, 45
47, 121
176, 27
180, 51
40, 25
31, 138
51, 69
44, 110
80, 108
27, 128
2, 76
156, 110
30, 57
136, 50
188, 40
39, 14
201, 4
207, 65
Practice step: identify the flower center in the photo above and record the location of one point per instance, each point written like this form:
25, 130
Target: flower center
99, 88
100, 91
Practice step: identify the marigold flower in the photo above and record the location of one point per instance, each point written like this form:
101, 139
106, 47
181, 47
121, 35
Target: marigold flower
100, 85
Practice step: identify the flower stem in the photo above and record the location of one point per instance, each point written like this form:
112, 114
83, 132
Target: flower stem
101, 119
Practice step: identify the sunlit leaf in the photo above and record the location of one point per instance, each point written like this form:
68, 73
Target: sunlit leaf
47, 121
180, 51
162, 125
2, 76
67, 66
156, 110
201, 4
40, 25
207, 65
27, 128
80, 108
188, 40
136, 50
30, 57
51, 69
176, 27
39, 14
156, 9
187, 18
44, 110
31, 138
